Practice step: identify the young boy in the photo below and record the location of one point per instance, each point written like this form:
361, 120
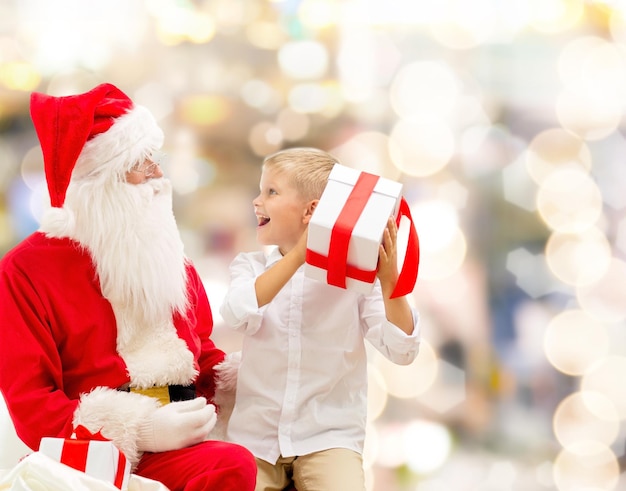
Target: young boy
302, 384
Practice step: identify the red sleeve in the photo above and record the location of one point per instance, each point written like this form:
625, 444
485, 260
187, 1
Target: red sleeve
31, 375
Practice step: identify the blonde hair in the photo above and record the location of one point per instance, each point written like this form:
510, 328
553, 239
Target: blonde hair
307, 169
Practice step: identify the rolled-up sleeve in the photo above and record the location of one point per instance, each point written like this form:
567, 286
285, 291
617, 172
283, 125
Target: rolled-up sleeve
240, 309
396, 345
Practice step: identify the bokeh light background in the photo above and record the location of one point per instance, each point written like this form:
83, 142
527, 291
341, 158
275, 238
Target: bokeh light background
504, 121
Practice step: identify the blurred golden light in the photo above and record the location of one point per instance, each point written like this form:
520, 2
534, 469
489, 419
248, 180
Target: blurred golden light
178, 22
409, 381
578, 259
319, 14
258, 93
427, 446
265, 138
590, 116
185, 170
204, 110
377, 392
293, 125
444, 262
309, 98
553, 16
586, 466
7, 238
335, 103
585, 417
553, 148
202, 29
31, 168
424, 91
605, 299
466, 24
19, 76
39, 200
617, 21
569, 200
232, 16
65, 34
368, 151
592, 65
366, 60
573, 341
265, 35
442, 243
421, 149
390, 451
302, 60
607, 378
594, 75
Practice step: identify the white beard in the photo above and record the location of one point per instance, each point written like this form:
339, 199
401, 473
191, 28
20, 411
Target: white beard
131, 234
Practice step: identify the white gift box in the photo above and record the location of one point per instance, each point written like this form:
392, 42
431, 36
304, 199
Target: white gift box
99, 459
363, 210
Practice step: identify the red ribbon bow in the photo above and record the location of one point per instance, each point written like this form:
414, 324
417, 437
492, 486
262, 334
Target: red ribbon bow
75, 453
82, 433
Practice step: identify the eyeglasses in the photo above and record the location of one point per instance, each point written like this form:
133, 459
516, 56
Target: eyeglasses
148, 171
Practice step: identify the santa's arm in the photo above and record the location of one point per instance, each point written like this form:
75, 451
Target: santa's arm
30, 366
117, 415
34, 384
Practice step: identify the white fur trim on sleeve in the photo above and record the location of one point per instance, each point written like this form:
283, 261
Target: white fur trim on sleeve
225, 390
227, 371
117, 415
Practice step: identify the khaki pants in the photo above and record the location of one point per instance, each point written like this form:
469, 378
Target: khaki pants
336, 469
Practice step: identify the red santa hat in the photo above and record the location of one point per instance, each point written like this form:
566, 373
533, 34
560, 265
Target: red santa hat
100, 131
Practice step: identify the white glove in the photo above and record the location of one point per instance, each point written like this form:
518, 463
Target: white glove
177, 425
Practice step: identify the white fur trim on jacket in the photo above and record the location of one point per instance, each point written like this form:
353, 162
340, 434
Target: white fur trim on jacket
225, 390
117, 415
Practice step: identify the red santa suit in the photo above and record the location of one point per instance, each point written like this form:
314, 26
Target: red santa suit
68, 345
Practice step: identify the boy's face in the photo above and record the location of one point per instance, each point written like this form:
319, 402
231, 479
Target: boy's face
280, 210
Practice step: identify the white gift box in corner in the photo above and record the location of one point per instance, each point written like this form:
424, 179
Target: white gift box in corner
363, 203
97, 458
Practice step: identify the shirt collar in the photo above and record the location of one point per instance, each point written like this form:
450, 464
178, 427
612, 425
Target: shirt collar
272, 255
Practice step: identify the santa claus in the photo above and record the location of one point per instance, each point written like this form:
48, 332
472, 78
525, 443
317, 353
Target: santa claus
104, 322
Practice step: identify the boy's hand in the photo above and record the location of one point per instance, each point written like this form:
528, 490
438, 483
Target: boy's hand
397, 309
388, 256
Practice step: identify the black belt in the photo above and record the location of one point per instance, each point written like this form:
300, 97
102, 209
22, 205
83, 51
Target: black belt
175, 392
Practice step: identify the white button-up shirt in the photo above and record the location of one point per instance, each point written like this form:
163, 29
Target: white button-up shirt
302, 384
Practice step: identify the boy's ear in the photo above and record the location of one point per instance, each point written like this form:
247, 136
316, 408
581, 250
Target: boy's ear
308, 211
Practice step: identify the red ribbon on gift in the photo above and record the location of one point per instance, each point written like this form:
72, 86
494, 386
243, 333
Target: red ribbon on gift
75, 453
408, 273
342, 230
82, 433
336, 263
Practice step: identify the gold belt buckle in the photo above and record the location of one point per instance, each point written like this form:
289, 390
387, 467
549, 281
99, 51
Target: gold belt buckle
161, 393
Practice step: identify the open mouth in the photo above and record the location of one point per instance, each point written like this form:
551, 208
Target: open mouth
262, 220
